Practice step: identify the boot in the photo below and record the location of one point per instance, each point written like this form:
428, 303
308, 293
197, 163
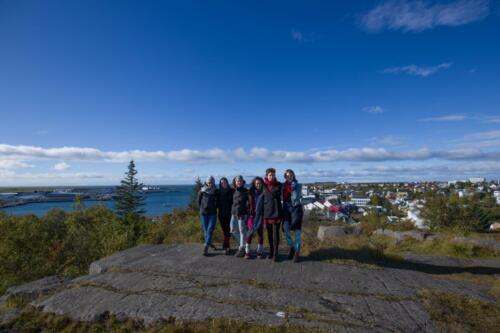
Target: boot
276, 251
240, 253
227, 251
271, 254
291, 253
212, 246
296, 257
205, 250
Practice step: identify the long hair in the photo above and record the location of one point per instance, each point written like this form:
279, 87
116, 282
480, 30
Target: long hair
240, 177
253, 188
290, 171
220, 183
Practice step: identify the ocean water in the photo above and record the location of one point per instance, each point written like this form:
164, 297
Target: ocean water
156, 203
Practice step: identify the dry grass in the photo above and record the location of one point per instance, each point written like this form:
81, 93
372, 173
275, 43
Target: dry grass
34, 321
458, 313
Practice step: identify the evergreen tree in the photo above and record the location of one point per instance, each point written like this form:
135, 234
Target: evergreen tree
128, 198
193, 204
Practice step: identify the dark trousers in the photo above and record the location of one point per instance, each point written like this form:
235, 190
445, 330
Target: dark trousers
273, 236
225, 224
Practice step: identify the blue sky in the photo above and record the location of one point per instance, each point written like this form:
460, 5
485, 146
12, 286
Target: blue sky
338, 91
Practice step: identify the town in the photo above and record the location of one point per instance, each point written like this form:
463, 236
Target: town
348, 202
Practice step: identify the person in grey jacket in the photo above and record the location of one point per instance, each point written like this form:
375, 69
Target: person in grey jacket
207, 201
293, 213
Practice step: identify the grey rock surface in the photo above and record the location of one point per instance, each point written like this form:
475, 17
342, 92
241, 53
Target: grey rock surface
330, 232
156, 282
402, 235
491, 244
32, 290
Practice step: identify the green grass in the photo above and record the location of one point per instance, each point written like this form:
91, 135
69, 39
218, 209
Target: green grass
458, 313
32, 320
377, 248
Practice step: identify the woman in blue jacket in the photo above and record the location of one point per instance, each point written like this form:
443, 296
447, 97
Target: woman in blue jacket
293, 213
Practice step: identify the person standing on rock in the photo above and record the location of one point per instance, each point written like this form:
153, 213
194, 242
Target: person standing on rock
224, 205
207, 201
270, 211
254, 193
239, 213
293, 213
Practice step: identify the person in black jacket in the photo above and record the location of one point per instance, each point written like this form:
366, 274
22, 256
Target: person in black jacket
207, 201
239, 213
270, 211
224, 205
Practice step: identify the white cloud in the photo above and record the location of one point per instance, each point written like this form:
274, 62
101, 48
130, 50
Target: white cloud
422, 71
450, 117
416, 16
62, 166
375, 109
488, 135
297, 35
490, 119
388, 140
12, 163
217, 155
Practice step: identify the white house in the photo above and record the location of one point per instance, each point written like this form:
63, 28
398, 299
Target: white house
414, 216
319, 205
310, 206
305, 190
360, 201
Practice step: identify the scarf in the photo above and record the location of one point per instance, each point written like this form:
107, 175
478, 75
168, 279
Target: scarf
208, 190
269, 184
287, 190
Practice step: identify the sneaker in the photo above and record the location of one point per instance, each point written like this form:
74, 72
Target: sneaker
248, 256
291, 253
205, 250
296, 257
240, 253
260, 255
227, 251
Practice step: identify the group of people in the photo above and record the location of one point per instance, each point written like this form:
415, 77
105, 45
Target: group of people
245, 212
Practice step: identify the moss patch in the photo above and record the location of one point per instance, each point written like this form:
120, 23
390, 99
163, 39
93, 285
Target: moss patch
458, 313
31, 320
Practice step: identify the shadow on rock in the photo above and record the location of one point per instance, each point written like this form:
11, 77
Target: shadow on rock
367, 255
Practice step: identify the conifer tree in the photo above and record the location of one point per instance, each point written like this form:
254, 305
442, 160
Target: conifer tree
193, 204
128, 199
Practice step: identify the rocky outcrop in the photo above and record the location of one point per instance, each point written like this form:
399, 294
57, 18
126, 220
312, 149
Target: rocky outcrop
402, 235
35, 289
330, 232
153, 283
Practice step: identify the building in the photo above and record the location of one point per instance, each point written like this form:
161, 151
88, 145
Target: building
476, 180
414, 216
319, 205
360, 201
305, 190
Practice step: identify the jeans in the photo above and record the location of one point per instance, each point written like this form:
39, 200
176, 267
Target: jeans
298, 236
238, 229
208, 222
